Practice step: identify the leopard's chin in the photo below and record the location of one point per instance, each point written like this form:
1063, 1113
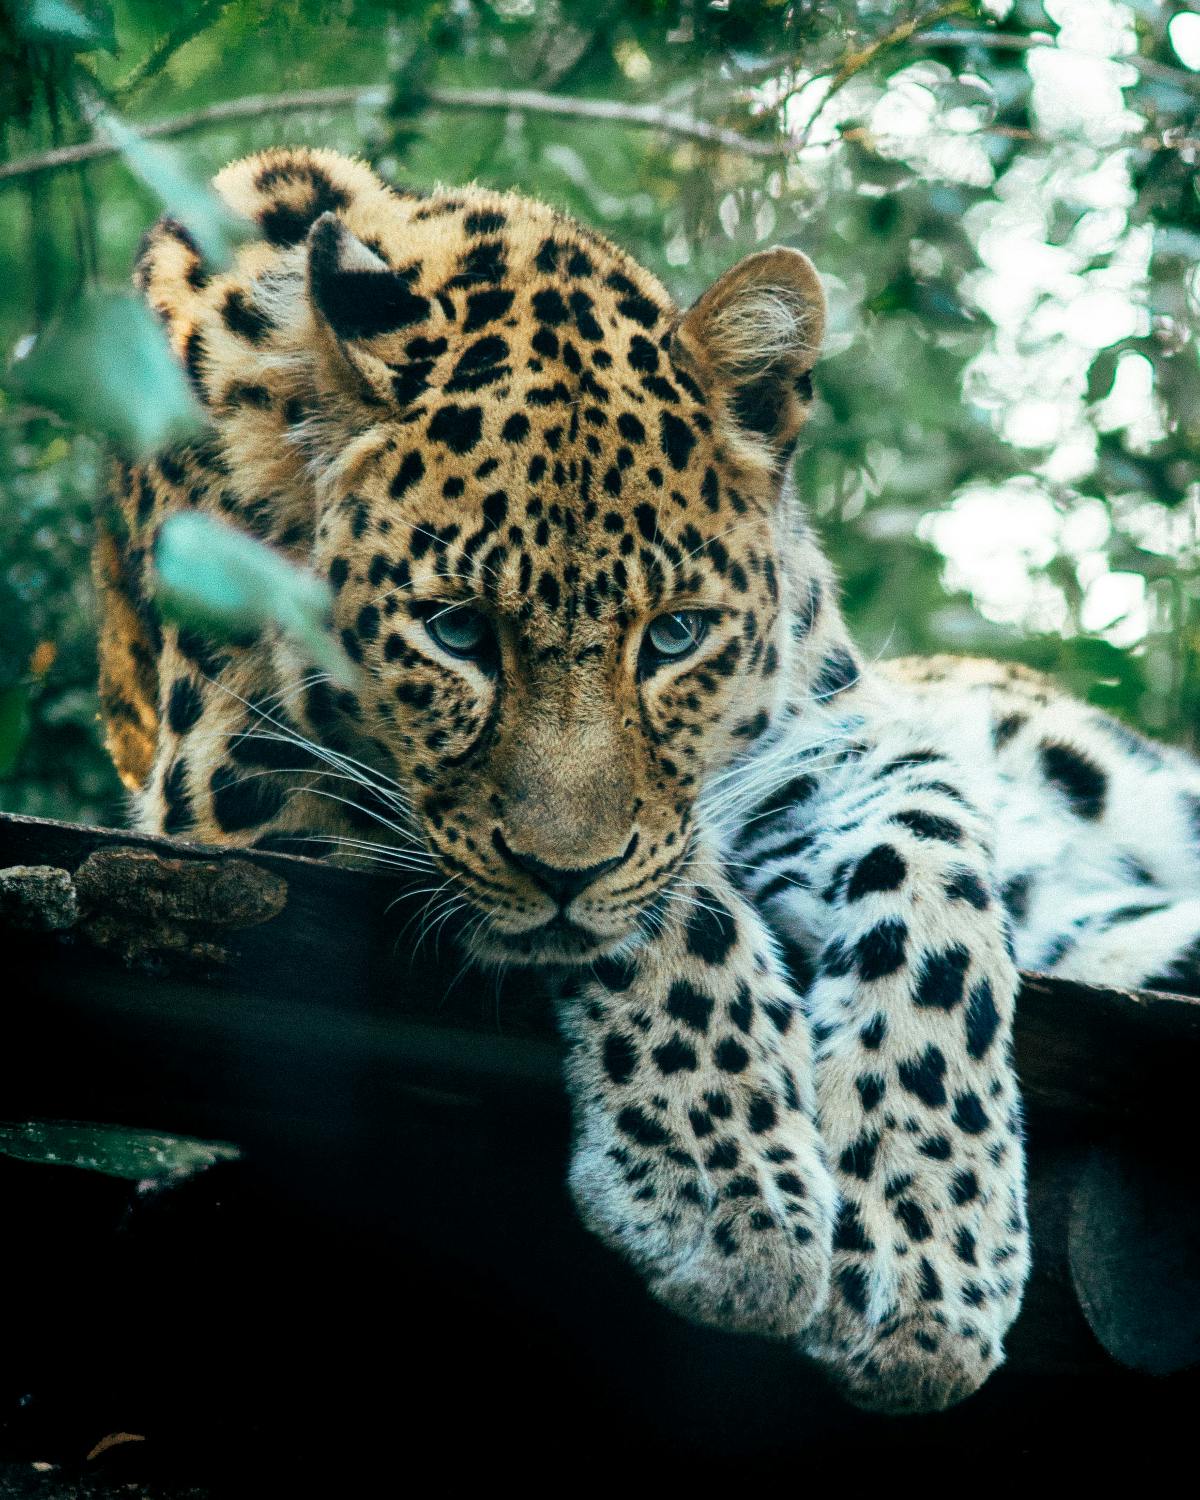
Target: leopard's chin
558, 942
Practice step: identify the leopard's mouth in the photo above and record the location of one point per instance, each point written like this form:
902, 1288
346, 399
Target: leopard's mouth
557, 941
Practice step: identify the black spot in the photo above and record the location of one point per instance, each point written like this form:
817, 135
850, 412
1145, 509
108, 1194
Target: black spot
914, 1219
1081, 780
459, 427
741, 1011
757, 405
711, 929
486, 307
643, 356
677, 1056
184, 705
480, 365
730, 1056
882, 869
839, 671
484, 262
723, 1157
615, 974
936, 1148
678, 439
1006, 728
929, 826
549, 307
484, 221
852, 1283
284, 225
969, 1114
410, 381
923, 1077
942, 978
1015, 896
410, 472
849, 1233
177, 816
858, 1159
880, 951
620, 1057
930, 1287
873, 1033
243, 800
982, 1019
640, 1128
963, 884
761, 1114
964, 1188
244, 318
548, 591
689, 1006
515, 428
964, 1246
871, 1089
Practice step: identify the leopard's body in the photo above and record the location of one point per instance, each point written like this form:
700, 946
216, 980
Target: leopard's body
777, 876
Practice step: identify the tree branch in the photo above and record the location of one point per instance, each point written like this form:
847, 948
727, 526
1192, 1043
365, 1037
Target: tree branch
527, 101
855, 62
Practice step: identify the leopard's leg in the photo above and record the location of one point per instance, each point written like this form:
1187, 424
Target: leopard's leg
912, 1005
696, 1154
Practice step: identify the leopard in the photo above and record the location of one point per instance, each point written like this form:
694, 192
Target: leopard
606, 707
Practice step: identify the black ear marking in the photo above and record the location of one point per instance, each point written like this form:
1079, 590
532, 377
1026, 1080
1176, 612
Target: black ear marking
356, 293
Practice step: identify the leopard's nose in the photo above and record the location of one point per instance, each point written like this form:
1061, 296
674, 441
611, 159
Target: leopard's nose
560, 883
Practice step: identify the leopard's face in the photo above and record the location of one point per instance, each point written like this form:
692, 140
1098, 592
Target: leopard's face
564, 628
549, 505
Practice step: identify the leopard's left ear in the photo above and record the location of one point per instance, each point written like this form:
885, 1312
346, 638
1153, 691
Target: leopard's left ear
755, 335
357, 297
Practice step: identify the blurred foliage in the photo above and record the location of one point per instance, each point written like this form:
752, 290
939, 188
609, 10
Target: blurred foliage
112, 1149
1003, 457
223, 581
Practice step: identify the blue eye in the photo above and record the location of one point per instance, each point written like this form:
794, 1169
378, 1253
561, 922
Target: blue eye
462, 631
674, 636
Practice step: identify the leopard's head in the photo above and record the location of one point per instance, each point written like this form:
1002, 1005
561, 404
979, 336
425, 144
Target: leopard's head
554, 510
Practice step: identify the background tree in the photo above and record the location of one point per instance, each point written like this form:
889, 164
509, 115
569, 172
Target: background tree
1001, 194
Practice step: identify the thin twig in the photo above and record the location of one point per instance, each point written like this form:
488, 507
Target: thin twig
527, 101
167, 46
855, 62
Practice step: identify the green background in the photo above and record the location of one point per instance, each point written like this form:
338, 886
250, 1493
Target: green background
1002, 458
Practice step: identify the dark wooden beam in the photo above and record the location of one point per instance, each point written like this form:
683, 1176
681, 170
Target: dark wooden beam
283, 1004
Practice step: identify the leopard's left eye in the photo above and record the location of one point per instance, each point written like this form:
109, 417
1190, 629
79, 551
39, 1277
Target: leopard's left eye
672, 637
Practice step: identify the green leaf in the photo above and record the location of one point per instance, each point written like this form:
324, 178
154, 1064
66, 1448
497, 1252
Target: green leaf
62, 25
14, 725
218, 579
107, 366
216, 229
111, 1149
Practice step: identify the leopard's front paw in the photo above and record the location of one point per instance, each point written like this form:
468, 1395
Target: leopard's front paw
752, 1272
917, 1364
730, 1239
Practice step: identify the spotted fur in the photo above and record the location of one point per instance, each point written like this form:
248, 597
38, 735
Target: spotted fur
786, 885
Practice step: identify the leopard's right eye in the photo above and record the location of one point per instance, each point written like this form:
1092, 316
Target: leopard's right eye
463, 631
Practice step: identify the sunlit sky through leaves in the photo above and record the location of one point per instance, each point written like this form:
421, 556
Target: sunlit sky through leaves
1052, 312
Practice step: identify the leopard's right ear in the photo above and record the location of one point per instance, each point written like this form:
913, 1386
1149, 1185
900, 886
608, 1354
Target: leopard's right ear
357, 298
